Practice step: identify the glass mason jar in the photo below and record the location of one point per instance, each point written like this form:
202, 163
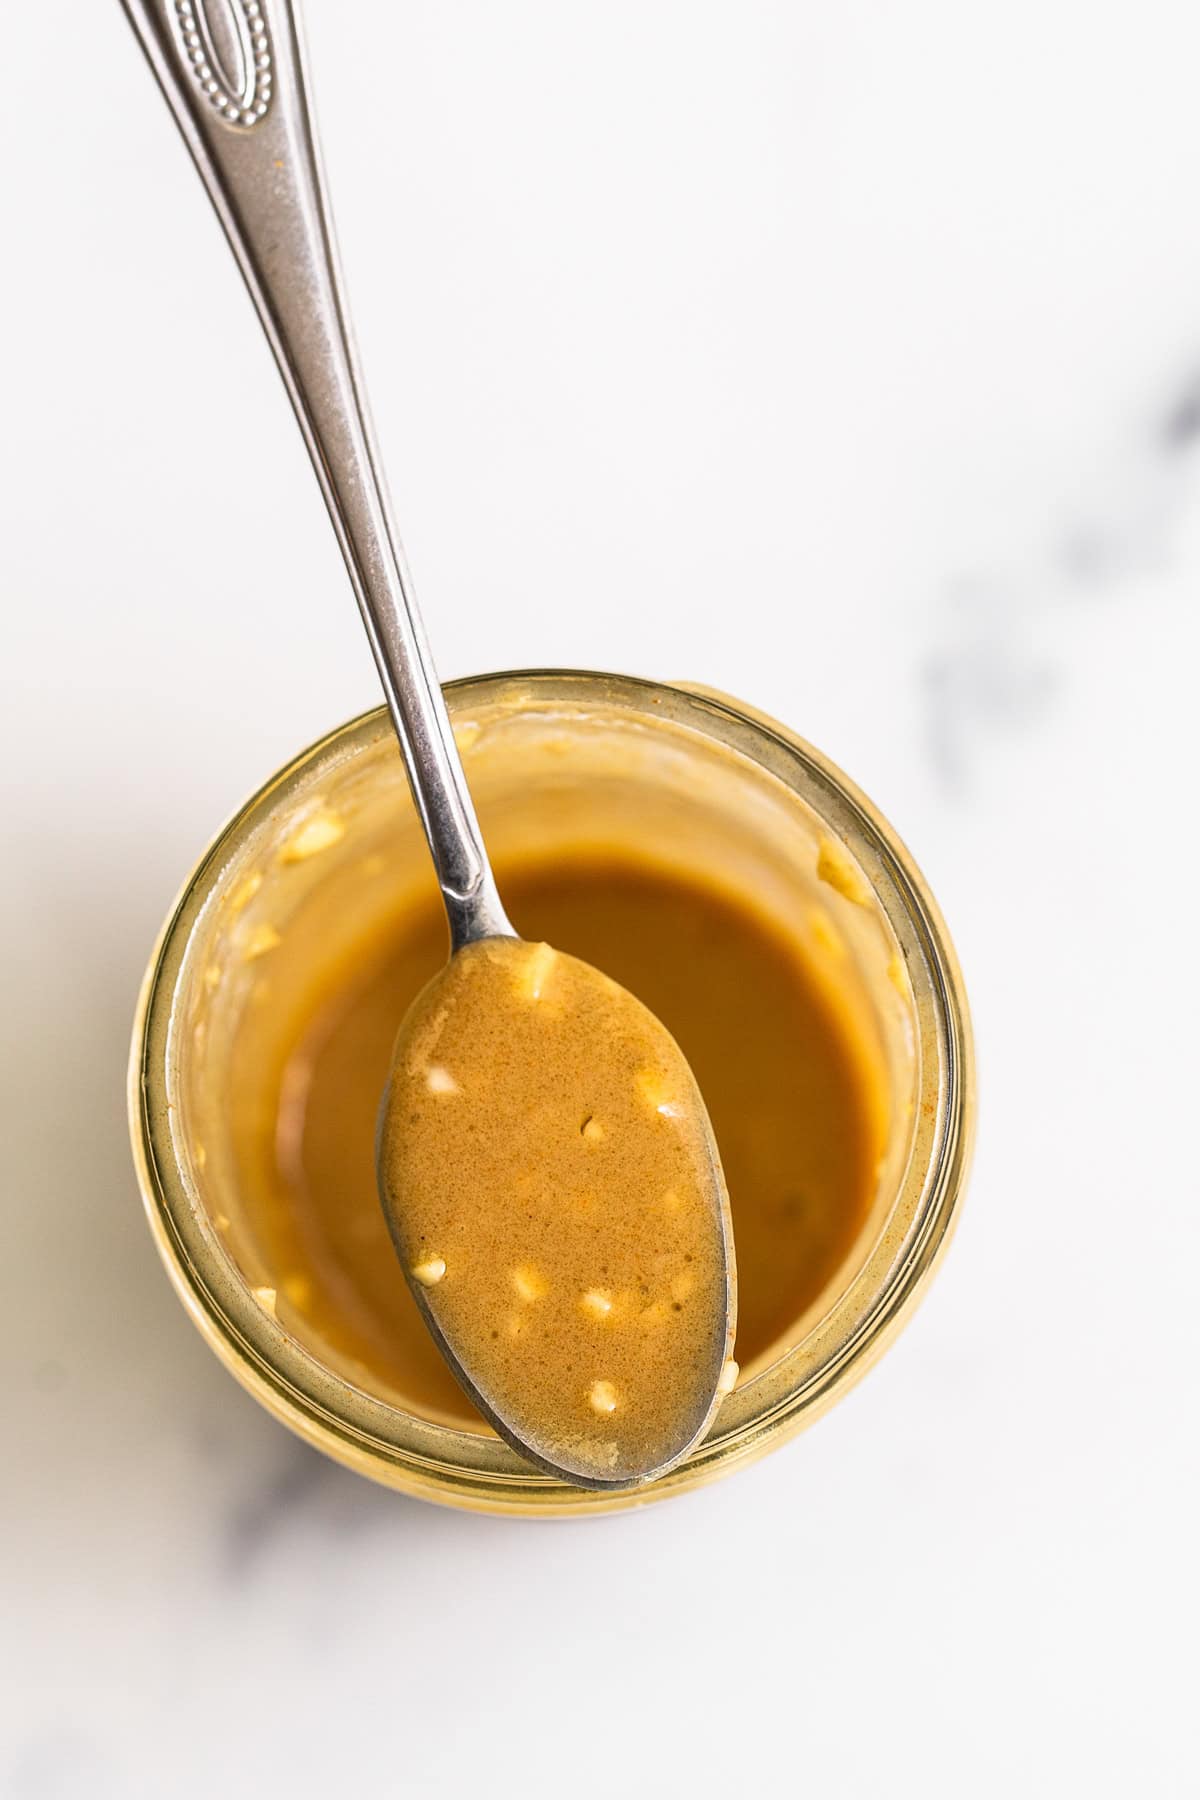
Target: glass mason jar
553, 759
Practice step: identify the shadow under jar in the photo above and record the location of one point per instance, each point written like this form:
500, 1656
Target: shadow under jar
703, 856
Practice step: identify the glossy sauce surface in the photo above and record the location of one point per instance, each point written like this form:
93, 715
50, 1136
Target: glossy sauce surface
554, 1193
796, 1099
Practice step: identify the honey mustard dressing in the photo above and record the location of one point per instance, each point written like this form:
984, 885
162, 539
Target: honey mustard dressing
797, 1104
554, 1192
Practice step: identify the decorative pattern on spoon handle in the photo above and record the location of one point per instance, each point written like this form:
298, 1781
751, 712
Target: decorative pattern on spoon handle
225, 46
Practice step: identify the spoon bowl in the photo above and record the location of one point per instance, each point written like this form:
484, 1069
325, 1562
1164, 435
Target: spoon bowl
552, 1186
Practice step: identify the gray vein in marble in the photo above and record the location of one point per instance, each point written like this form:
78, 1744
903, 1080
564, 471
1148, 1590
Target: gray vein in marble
985, 677
1180, 428
259, 1518
991, 674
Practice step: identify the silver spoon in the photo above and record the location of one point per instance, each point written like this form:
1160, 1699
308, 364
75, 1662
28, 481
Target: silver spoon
232, 73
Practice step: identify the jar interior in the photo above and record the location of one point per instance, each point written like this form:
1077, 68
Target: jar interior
683, 868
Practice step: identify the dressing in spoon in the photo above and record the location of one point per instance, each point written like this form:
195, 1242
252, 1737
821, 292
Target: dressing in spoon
553, 1189
546, 1164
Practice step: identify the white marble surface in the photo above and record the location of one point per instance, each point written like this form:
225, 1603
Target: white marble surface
849, 358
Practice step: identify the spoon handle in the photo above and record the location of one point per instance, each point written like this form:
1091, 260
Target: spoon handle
232, 73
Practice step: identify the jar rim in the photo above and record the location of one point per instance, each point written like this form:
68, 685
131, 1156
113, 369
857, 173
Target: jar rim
461, 1468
